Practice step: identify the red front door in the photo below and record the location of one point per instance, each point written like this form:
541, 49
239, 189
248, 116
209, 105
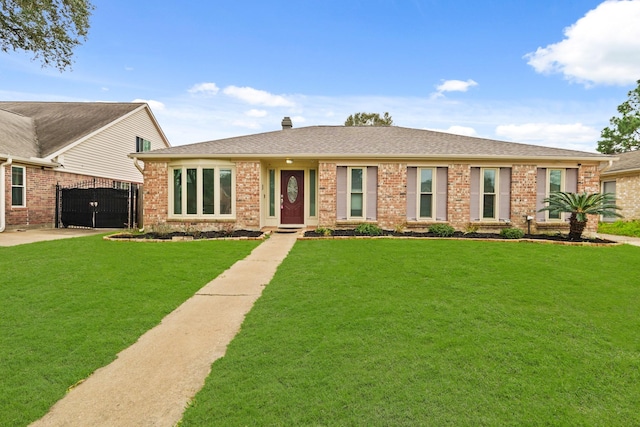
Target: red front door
292, 197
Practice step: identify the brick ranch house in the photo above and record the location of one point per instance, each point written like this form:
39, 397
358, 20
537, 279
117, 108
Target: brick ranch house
337, 176
623, 179
47, 143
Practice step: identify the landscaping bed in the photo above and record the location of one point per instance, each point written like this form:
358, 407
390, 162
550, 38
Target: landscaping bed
189, 235
563, 238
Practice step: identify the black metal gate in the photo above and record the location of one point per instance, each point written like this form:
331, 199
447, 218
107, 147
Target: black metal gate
97, 204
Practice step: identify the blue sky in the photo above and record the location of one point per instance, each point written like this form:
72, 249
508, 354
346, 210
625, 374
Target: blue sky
548, 72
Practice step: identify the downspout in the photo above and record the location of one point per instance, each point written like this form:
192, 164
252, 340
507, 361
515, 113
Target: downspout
2, 194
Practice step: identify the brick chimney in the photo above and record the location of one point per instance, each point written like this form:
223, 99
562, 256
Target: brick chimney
287, 123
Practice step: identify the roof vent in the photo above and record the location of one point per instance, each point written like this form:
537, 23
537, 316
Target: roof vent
287, 123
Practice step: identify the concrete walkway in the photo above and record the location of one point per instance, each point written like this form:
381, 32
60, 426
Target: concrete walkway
21, 237
635, 241
152, 382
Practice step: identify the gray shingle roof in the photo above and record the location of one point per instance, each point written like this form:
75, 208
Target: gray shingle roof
55, 124
363, 141
17, 135
627, 161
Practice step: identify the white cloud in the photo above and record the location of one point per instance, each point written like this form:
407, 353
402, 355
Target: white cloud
155, 105
603, 47
453, 86
257, 97
255, 113
209, 89
246, 124
574, 135
462, 130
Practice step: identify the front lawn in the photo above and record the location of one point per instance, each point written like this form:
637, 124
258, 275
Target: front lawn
401, 332
69, 306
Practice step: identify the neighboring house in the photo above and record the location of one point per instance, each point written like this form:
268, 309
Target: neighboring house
623, 180
43, 144
337, 176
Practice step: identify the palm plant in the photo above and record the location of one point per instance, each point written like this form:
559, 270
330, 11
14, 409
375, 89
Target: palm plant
579, 206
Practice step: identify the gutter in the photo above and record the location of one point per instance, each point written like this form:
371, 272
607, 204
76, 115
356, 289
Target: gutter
136, 163
2, 194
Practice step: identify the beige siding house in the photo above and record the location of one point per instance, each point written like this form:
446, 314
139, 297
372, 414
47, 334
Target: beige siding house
337, 176
43, 144
623, 179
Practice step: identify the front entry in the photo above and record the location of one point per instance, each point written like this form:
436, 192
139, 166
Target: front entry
291, 197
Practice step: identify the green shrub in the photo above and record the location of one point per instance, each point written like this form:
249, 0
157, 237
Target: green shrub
324, 231
620, 228
512, 233
368, 229
442, 230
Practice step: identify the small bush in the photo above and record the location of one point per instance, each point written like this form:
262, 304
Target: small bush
512, 233
324, 231
442, 230
368, 229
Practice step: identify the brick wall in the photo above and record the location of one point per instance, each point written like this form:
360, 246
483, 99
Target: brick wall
459, 195
628, 196
327, 194
40, 210
589, 181
155, 194
523, 194
392, 195
248, 195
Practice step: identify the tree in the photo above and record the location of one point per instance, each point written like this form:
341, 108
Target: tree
624, 133
50, 29
369, 119
579, 206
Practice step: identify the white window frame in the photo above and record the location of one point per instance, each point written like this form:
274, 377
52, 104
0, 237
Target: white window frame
496, 193
433, 193
23, 187
364, 193
199, 199
563, 173
142, 145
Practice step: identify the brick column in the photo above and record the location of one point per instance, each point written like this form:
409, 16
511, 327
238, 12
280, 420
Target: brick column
156, 193
248, 195
327, 193
523, 195
392, 195
459, 195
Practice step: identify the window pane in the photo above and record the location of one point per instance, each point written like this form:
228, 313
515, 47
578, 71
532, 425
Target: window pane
177, 191
426, 205
17, 176
312, 192
192, 188
272, 192
225, 191
356, 204
426, 180
489, 181
489, 206
208, 181
555, 180
356, 180
16, 196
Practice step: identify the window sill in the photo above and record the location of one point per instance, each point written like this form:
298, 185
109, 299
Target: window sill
491, 224
424, 224
552, 225
347, 222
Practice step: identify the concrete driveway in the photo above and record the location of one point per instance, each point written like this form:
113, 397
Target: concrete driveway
20, 237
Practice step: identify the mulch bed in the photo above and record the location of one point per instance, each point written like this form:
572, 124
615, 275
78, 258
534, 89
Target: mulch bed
561, 238
174, 235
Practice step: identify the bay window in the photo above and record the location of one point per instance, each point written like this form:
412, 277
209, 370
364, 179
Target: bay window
202, 191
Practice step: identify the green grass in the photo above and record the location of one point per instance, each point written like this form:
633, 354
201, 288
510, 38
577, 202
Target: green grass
620, 228
402, 332
69, 306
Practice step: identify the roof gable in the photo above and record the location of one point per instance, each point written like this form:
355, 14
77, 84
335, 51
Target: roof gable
58, 124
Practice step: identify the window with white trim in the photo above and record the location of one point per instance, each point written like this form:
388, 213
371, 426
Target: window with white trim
426, 199
555, 183
489, 194
356, 198
202, 191
18, 187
